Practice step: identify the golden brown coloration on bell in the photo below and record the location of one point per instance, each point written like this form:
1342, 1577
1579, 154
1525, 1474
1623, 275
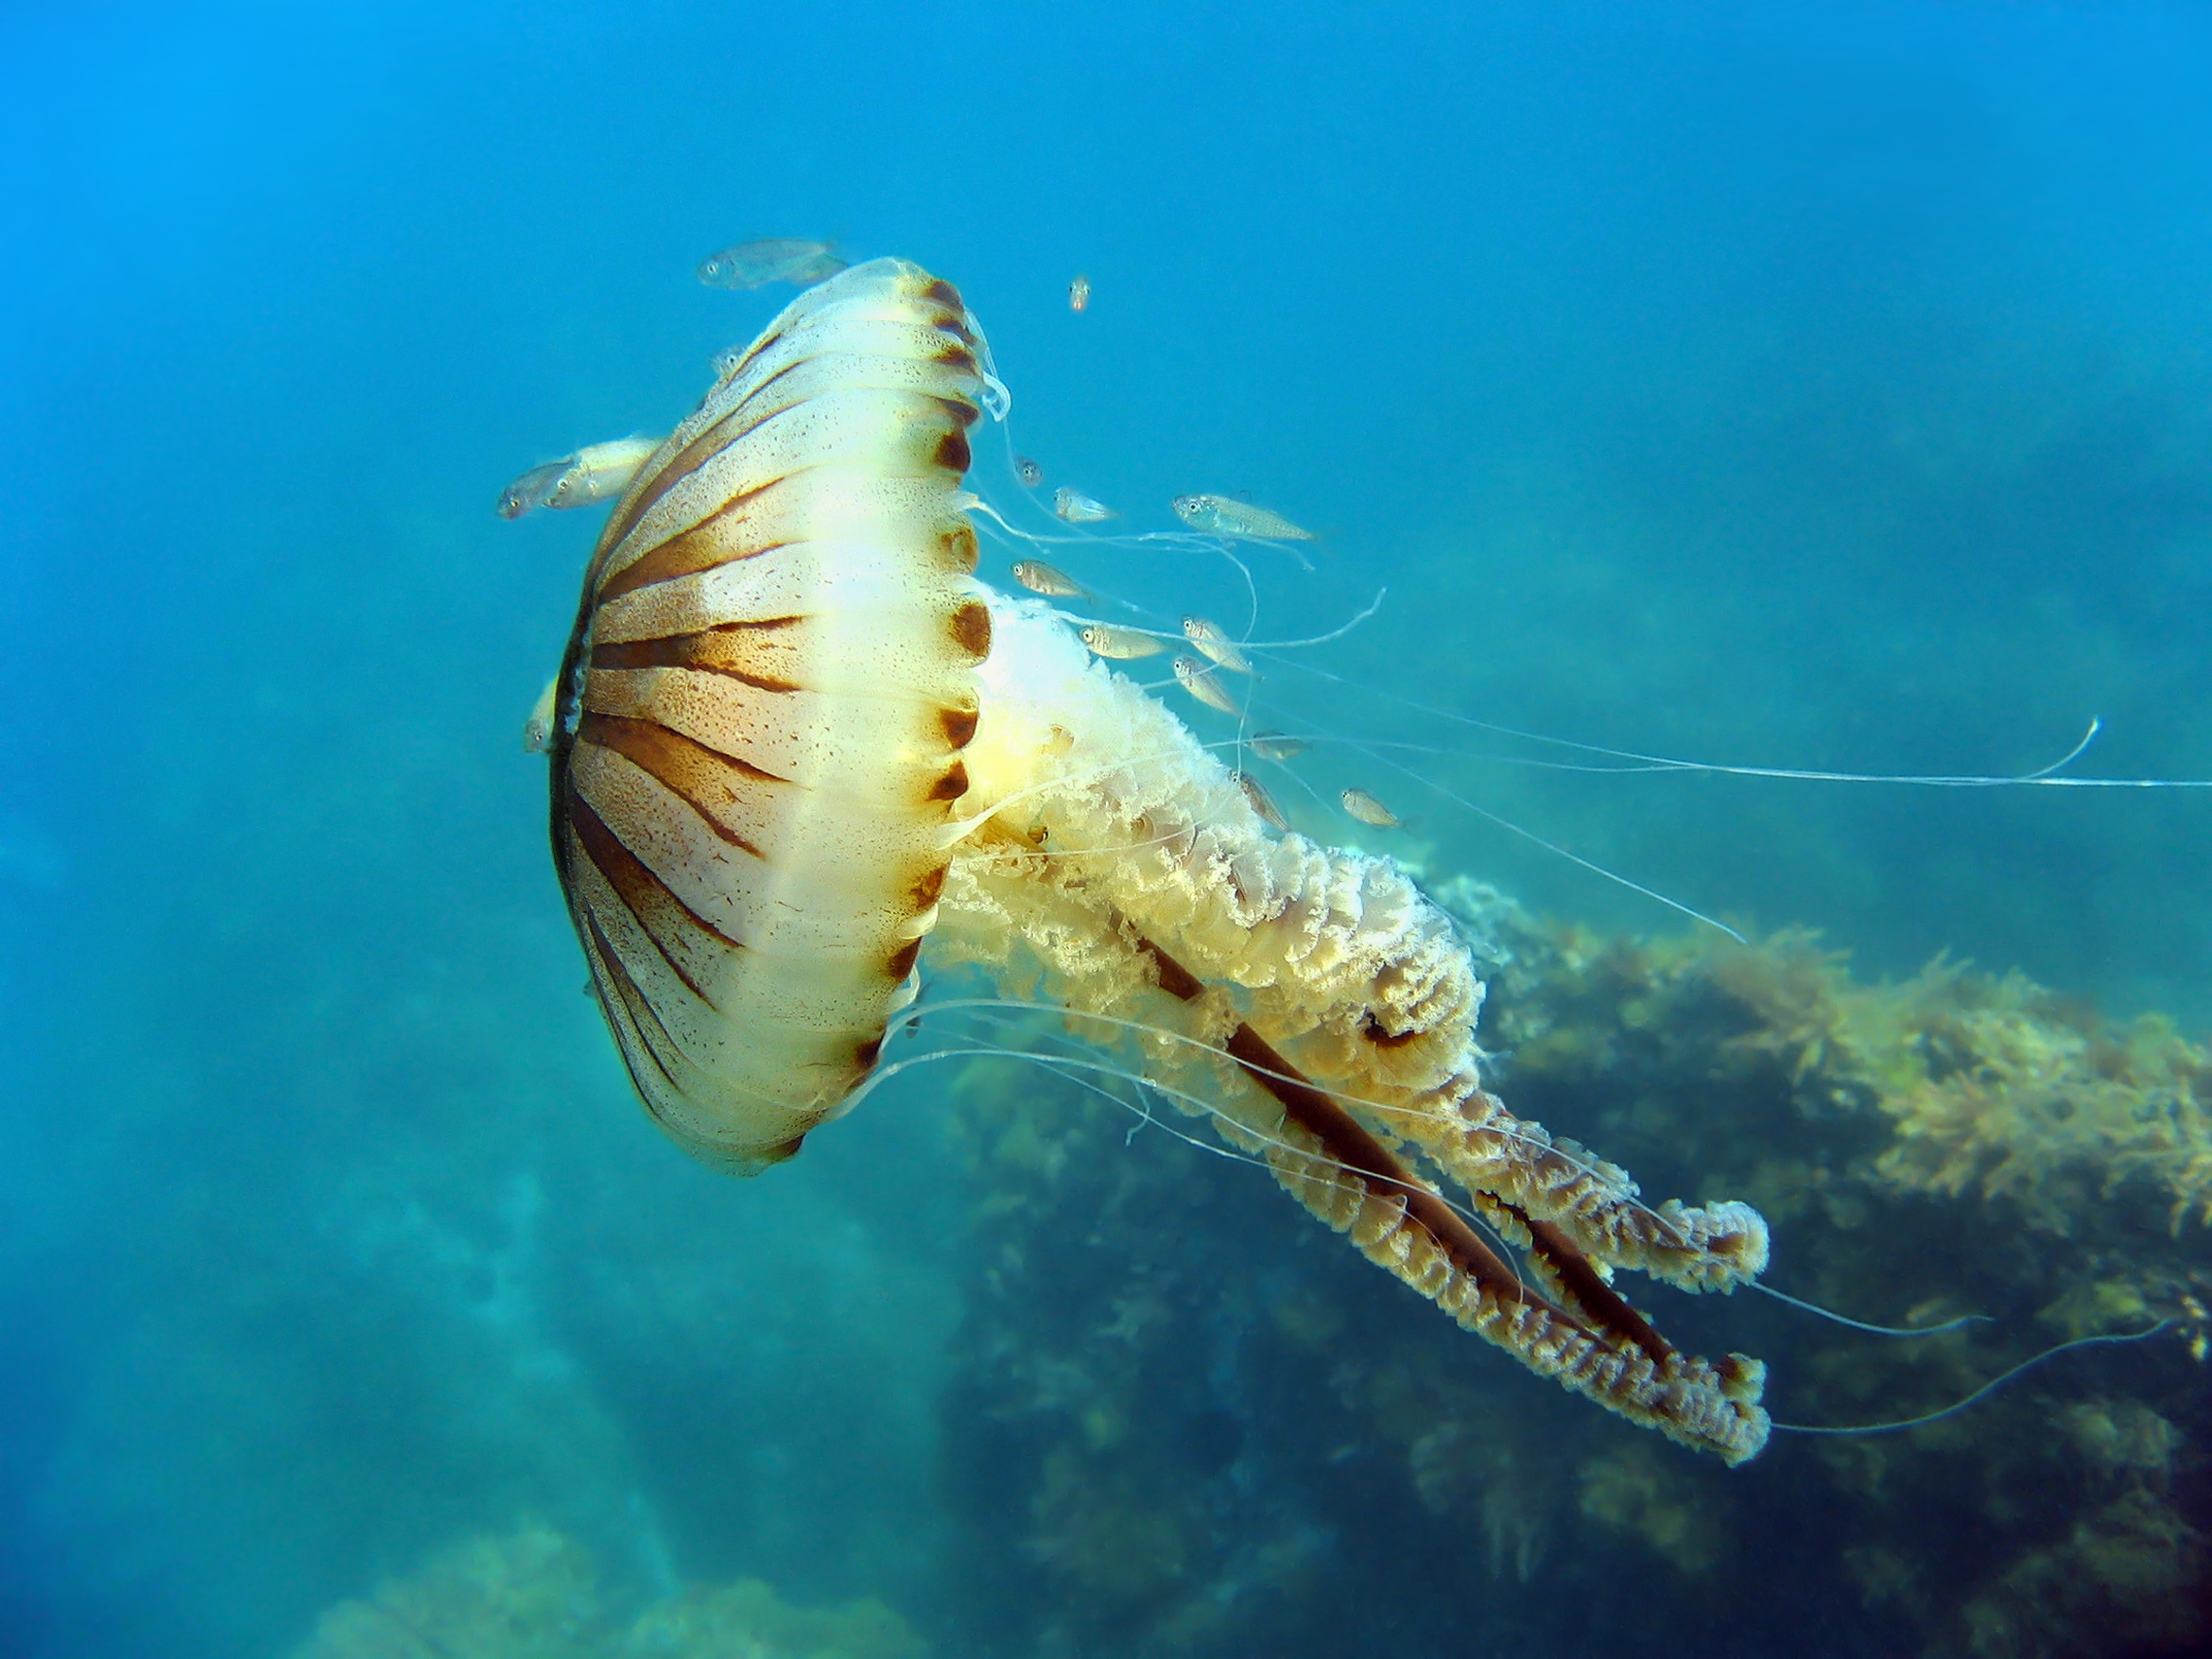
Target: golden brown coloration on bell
763, 706
784, 677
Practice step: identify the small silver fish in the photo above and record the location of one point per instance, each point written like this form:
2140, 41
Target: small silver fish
538, 729
1040, 578
1028, 471
1262, 803
600, 472
770, 259
1204, 684
1102, 640
532, 488
1367, 809
1221, 516
1276, 745
1213, 643
1076, 508
1078, 293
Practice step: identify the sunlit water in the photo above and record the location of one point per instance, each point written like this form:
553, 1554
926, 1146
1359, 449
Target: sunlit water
1824, 387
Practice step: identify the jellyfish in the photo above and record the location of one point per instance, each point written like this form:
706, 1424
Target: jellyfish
797, 743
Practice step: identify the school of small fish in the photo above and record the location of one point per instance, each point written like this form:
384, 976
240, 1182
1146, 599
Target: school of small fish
1204, 684
1216, 645
1221, 516
1040, 578
532, 488
601, 472
1102, 639
1076, 508
538, 729
597, 472
1262, 803
1367, 809
770, 259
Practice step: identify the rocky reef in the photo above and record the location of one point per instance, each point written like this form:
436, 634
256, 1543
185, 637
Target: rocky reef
536, 1594
1187, 1422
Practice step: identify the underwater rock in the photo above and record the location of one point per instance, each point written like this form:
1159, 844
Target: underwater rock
534, 1594
1137, 1429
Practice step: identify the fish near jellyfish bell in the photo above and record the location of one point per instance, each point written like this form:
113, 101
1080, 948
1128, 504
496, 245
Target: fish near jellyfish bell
757, 741
793, 736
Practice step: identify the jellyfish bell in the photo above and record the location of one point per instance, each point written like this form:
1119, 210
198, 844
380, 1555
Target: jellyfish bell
764, 701
795, 740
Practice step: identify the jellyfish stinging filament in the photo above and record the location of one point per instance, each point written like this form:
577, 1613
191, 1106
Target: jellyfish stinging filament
796, 742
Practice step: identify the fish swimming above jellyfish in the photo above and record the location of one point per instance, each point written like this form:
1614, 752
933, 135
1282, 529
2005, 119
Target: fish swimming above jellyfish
770, 259
796, 743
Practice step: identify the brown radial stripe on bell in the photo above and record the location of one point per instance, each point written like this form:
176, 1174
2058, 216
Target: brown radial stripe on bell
695, 774
644, 895
705, 652
714, 542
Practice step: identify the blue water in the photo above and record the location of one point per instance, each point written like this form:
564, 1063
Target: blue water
1824, 387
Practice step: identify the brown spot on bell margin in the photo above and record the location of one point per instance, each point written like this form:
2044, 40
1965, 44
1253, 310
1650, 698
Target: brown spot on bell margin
783, 1150
952, 452
959, 725
902, 960
956, 549
971, 630
952, 786
925, 890
864, 1055
941, 292
955, 356
960, 409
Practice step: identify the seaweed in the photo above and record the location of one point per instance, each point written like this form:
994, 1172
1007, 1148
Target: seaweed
1170, 1402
